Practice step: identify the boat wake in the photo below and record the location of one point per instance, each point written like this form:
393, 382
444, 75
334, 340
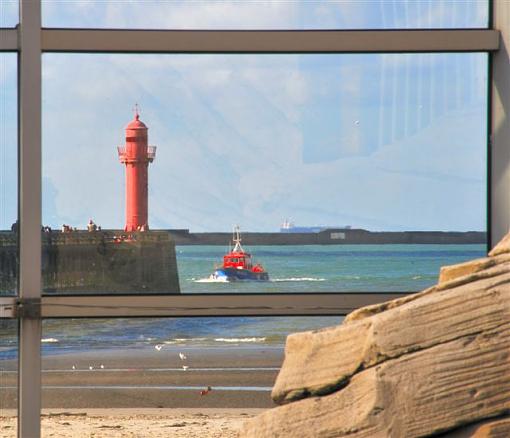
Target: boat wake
271, 280
280, 280
210, 280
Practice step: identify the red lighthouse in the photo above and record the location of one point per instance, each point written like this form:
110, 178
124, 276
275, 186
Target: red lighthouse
136, 155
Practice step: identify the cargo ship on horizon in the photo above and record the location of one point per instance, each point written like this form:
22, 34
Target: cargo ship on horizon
288, 227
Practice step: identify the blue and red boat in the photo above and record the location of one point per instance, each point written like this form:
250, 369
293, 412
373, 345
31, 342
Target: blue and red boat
238, 265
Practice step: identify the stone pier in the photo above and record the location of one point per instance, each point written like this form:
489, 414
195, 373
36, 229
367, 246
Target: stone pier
110, 261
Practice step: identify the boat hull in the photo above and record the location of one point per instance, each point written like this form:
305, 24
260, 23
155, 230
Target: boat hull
233, 274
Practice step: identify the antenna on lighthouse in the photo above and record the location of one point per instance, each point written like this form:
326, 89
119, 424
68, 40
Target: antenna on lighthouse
136, 110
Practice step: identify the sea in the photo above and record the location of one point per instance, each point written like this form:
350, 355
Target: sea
310, 268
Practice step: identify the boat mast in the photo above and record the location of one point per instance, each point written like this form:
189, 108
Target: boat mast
237, 240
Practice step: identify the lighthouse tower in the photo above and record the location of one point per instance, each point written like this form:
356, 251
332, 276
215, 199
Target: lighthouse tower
136, 155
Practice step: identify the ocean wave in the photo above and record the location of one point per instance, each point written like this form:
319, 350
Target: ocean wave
183, 340
277, 280
49, 340
208, 340
416, 277
232, 340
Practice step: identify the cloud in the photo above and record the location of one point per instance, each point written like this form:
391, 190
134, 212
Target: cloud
232, 132
265, 14
256, 138
170, 14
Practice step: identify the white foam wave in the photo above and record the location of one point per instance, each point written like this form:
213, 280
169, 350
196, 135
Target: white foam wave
183, 340
211, 280
49, 340
416, 277
240, 339
276, 280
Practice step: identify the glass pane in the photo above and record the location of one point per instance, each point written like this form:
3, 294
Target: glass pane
344, 172
267, 14
164, 363
8, 377
9, 15
8, 174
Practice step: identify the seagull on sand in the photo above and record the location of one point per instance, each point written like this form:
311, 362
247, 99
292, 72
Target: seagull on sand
158, 347
182, 356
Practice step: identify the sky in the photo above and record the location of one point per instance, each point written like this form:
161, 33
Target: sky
382, 142
256, 14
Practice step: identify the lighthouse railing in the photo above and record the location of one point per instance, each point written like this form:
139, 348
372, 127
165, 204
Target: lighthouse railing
121, 150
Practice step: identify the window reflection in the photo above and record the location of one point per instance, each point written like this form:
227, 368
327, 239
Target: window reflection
8, 376
9, 16
8, 174
344, 172
268, 14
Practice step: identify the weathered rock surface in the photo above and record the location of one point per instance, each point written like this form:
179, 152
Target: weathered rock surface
493, 428
421, 365
416, 395
502, 247
448, 273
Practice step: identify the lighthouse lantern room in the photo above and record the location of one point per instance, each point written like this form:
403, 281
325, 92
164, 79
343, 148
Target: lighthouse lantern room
136, 156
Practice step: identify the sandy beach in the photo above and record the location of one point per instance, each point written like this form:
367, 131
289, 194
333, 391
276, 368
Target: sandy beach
136, 423
146, 392
239, 377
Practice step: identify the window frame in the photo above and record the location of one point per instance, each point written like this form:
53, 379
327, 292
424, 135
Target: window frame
30, 41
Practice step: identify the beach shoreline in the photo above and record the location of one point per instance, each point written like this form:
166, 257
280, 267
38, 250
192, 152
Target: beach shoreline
238, 377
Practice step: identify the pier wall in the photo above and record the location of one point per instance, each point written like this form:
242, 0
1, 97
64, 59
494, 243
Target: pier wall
332, 237
98, 262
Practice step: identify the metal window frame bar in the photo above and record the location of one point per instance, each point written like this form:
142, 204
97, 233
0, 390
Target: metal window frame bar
7, 307
161, 306
29, 204
8, 40
311, 304
269, 41
499, 127
30, 41
289, 41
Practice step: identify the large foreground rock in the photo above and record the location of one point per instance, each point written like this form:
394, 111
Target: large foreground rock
425, 364
499, 428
